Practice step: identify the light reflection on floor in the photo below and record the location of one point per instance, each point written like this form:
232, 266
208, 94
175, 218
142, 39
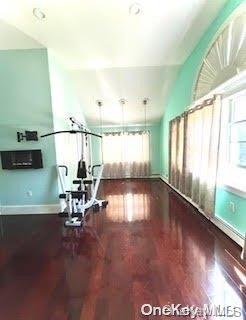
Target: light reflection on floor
224, 294
128, 207
200, 265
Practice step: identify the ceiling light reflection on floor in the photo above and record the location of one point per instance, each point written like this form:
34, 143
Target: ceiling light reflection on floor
128, 207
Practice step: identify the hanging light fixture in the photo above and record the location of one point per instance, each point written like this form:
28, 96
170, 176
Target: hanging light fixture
122, 103
99, 104
145, 102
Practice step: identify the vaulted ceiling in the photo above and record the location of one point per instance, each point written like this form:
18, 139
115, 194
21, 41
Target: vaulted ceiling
109, 53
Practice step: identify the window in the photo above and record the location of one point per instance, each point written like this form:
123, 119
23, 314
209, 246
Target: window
232, 163
126, 148
126, 154
237, 147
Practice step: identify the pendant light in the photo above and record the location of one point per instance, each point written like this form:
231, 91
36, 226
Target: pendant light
145, 102
122, 103
99, 104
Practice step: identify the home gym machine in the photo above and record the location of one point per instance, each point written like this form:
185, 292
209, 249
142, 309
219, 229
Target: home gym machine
85, 196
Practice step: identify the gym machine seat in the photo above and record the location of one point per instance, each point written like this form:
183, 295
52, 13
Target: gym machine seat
83, 181
75, 194
87, 181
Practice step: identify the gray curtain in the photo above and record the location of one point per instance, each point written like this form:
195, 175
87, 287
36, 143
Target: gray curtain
194, 145
176, 149
244, 249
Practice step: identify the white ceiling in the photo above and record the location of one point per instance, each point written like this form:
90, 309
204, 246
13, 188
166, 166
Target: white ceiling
111, 54
12, 38
133, 83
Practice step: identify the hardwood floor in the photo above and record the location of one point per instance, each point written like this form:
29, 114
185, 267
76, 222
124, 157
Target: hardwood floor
148, 246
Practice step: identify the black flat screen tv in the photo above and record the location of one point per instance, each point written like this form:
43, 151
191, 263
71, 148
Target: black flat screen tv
21, 159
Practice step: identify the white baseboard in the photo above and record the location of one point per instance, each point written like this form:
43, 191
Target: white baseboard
222, 225
229, 231
185, 197
30, 209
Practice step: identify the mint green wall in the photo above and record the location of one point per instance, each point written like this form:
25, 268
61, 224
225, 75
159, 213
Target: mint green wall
236, 219
181, 97
181, 94
65, 104
25, 104
154, 144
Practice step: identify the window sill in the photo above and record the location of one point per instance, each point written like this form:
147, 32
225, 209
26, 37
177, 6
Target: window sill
236, 191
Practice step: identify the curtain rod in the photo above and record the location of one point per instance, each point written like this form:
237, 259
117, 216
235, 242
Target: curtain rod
127, 126
120, 132
200, 106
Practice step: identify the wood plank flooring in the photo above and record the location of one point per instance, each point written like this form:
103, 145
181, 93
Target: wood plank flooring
148, 246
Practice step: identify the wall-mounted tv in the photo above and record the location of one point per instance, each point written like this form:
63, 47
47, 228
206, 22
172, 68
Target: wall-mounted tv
21, 159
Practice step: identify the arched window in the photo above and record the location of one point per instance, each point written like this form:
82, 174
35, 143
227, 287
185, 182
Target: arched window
225, 59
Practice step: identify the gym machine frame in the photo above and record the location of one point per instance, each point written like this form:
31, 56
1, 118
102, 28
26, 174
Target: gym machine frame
77, 202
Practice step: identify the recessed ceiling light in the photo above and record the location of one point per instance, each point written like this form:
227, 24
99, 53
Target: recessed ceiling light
38, 13
135, 9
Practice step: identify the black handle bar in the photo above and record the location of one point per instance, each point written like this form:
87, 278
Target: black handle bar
93, 167
71, 132
66, 169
